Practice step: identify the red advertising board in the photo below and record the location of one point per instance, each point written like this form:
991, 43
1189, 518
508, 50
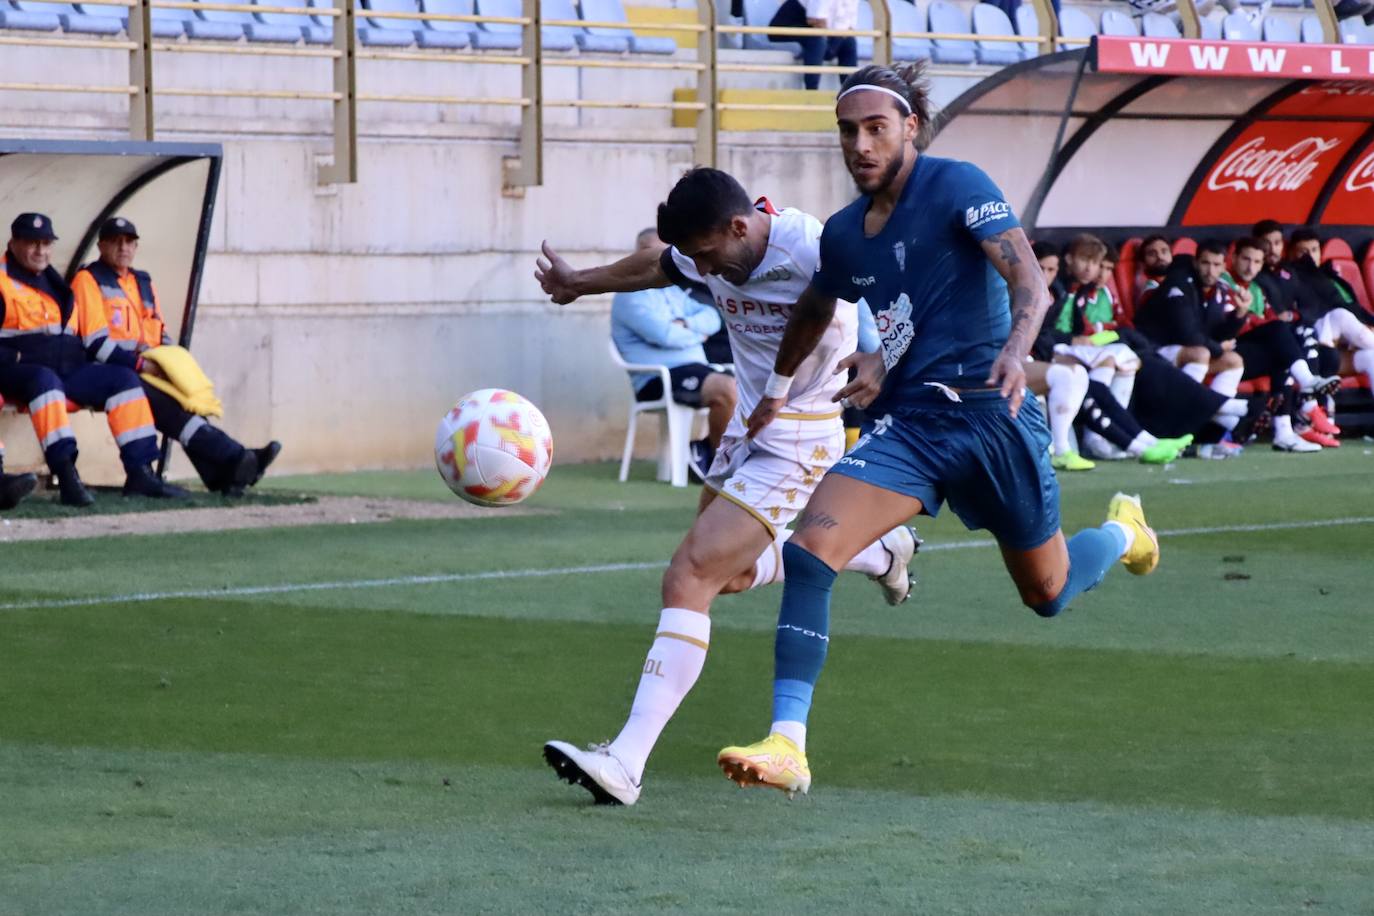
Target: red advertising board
1185, 57
1273, 170
1352, 204
1330, 99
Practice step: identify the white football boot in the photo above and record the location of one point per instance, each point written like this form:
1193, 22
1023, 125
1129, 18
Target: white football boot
901, 544
596, 769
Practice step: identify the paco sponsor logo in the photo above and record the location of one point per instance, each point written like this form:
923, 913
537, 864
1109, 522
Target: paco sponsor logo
1254, 167
1361, 177
988, 212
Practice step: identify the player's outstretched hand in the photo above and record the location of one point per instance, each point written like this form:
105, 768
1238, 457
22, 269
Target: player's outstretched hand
1009, 375
869, 372
766, 412
555, 275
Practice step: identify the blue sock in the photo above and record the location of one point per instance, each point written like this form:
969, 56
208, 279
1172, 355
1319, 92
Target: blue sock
803, 632
1092, 552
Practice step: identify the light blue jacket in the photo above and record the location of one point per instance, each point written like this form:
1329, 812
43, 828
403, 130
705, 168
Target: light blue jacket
643, 330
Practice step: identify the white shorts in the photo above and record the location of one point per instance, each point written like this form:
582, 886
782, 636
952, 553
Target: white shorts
1340, 327
772, 476
1171, 352
1090, 355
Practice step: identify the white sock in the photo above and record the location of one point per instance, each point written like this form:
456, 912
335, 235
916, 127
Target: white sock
1226, 421
768, 567
1227, 381
793, 731
1302, 373
1364, 364
873, 560
1283, 428
674, 663
1140, 443
1065, 398
1195, 371
1234, 407
1128, 532
1103, 374
1307, 407
1122, 386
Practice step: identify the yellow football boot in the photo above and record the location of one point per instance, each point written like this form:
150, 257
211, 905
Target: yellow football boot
1143, 556
775, 762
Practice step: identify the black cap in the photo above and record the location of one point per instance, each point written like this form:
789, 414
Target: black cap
32, 226
116, 226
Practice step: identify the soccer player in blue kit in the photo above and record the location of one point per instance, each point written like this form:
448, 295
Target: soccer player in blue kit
933, 248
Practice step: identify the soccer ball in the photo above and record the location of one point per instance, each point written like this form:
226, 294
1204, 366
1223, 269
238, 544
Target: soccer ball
493, 448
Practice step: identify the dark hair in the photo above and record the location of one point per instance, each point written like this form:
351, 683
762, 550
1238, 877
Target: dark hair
908, 81
1087, 245
1249, 241
1266, 226
1151, 239
702, 201
1111, 254
1303, 234
1043, 250
1212, 246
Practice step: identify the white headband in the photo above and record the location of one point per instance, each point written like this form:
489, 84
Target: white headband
869, 86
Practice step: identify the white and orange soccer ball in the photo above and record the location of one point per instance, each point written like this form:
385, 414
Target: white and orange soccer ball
493, 448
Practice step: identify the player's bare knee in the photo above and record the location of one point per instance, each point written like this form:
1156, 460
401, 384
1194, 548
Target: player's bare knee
720, 390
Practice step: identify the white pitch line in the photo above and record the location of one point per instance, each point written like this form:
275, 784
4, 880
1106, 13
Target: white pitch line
445, 578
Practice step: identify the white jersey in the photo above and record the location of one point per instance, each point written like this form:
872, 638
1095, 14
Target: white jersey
756, 315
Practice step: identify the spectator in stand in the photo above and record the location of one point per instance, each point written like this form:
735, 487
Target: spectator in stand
666, 327
1266, 339
1327, 303
841, 15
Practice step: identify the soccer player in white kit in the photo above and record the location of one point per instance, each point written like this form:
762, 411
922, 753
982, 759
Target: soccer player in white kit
756, 261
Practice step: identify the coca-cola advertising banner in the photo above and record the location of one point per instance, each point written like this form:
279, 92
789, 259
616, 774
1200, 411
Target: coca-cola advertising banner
1186, 57
1353, 202
1273, 170
1331, 99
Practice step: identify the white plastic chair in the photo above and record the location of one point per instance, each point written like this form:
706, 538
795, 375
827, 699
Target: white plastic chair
675, 435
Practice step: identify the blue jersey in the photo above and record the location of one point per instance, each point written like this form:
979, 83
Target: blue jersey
940, 306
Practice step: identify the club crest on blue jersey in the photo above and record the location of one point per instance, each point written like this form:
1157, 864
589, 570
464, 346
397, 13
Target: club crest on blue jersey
899, 252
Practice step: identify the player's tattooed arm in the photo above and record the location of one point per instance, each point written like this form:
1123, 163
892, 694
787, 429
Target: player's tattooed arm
810, 317
1010, 252
563, 284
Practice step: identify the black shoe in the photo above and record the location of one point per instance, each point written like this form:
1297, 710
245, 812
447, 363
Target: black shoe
265, 456
243, 475
70, 490
142, 482
14, 487
700, 455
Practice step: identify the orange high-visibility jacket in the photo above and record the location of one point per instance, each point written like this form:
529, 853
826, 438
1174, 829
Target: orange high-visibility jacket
37, 321
117, 317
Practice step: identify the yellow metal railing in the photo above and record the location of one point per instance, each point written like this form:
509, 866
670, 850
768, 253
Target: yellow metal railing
527, 168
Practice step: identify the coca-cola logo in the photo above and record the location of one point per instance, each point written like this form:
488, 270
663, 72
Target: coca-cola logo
1252, 167
1361, 177
1347, 88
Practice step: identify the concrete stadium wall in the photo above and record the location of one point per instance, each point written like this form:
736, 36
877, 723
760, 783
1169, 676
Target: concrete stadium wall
344, 320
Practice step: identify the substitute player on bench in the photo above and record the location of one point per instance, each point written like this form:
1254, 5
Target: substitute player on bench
756, 261
924, 245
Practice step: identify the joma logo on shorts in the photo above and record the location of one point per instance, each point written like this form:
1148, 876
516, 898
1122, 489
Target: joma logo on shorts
863, 281
857, 462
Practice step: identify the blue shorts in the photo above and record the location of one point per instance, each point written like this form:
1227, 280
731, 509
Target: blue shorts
994, 470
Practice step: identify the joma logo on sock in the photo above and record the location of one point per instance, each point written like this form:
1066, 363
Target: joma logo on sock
803, 631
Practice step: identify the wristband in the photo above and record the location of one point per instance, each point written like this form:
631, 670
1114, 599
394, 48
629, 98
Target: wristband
778, 386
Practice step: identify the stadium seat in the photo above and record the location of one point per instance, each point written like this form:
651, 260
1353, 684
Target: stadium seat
1292, 3
1238, 27
1368, 271
72, 19
1074, 23
1279, 30
551, 39
675, 434
1125, 277
1115, 22
907, 17
387, 33
1028, 24
564, 9
21, 20
990, 20
162, 28
1211, 29
197, 28
479, 37
1184, 245
1312, 31
1355, 32
760, 13
950, 19
1337, 253
305, 24
1157, 25
612, 11
256, 31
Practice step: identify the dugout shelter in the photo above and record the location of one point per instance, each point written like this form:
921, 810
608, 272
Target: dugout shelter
166, 189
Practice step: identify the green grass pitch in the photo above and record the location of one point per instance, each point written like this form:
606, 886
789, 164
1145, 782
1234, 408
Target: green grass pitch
1200, 741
